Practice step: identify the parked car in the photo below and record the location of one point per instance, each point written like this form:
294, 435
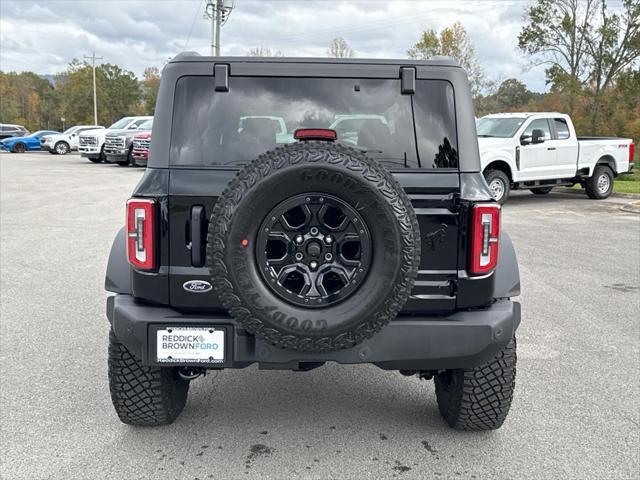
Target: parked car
239, 251
538, 151
66, 141
140, 148
91, 143
27, 143
8, 130
118, 144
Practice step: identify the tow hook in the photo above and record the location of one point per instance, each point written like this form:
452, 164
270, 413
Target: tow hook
191, 373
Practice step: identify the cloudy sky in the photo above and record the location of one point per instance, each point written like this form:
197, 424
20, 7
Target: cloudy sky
43, 36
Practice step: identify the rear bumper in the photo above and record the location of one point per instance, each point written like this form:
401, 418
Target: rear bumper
460, 340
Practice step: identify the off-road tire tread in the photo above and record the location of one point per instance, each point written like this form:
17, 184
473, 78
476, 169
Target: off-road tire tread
591, 185
312, 152
143, 395
479, 398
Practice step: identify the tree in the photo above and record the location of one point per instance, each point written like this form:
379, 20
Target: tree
512, 94
339, 48
453, 42
557, 36
585, 47
27, 99
118, 93
264, 52
150, 86
613, 46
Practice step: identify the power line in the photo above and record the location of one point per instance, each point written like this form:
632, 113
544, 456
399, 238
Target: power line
186, 43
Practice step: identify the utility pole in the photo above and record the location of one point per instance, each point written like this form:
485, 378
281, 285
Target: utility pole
218, 12
93, 59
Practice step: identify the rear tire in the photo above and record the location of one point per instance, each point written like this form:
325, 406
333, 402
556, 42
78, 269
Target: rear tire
19, 148
499, 185
478, 398
541, 190
143, 395
600, 185
95, 160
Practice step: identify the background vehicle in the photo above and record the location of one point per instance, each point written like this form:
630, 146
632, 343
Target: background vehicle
118, 144
8, 130
237, 252
140, 148
538, 151
91, 142
28, 143
66, 141
348, 126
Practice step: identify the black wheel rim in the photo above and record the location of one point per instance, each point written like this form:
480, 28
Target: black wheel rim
313, 250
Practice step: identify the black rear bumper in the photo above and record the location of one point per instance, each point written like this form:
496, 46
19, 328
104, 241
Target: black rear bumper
460, 340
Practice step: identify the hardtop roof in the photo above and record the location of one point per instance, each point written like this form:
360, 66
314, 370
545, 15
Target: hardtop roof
440, 61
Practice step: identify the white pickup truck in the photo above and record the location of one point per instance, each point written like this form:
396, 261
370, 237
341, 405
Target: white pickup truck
91, 143
538, 151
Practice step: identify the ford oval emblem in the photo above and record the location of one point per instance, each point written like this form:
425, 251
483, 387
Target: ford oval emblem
197, 286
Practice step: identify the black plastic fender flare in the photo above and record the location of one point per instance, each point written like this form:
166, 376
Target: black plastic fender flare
118, 276
507, 276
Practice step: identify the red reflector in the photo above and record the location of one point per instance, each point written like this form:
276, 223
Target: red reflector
141, 228
315, 134
485, 238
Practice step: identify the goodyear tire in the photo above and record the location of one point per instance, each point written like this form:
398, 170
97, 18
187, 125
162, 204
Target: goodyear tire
478, 398
143, 395
304, 203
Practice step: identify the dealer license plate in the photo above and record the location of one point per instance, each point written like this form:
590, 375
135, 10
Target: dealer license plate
190, 345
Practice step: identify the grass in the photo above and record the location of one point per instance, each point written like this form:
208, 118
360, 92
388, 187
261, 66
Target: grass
628, 182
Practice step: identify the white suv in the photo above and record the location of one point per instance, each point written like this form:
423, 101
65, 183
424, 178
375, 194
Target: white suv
66, 141
92, 141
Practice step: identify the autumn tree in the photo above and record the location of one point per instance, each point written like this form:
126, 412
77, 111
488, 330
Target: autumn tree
27, 99
118, 93
339, 48
453, 42
150, 86
264, 52
586, 48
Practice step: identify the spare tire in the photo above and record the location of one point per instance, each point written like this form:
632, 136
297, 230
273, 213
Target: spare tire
313, 247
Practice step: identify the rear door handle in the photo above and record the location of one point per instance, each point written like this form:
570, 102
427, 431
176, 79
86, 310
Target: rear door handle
551, 148
197, 234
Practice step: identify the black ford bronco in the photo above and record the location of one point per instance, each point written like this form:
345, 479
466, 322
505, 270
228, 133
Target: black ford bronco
301, 211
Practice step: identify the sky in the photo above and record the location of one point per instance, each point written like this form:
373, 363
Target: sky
44, 36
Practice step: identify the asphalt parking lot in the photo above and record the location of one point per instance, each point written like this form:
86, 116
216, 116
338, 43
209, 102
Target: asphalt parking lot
575, 415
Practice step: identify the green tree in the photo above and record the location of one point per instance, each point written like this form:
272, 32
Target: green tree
118, 93
512, 94
339, 48
150, 86
613, 46
454, 42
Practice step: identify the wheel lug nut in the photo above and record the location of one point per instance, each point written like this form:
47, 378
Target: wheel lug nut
328, 239
314, 231
299, 239
313, 265
328, 257
299, 256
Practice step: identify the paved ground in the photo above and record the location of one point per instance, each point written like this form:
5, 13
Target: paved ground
575, 414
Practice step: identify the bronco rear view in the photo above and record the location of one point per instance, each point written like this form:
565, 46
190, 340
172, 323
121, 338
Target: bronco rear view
302, 211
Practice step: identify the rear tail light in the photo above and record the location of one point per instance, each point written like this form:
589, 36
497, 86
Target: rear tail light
141, 232
632, 149
485, 238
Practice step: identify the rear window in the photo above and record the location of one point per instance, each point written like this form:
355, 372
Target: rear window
259, 113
